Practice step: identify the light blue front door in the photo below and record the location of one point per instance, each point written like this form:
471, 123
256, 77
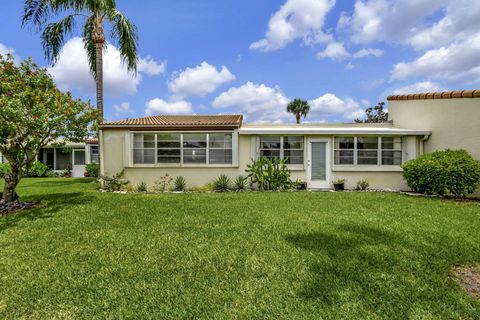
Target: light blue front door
319, 165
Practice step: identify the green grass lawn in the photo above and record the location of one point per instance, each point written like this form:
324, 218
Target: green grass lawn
90, 255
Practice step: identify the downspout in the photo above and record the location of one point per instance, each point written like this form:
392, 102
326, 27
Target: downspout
422, 141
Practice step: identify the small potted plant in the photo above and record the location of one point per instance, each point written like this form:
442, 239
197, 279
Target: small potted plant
339, 184
67, 173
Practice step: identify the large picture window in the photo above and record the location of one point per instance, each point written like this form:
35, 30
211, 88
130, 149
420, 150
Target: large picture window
289, 147
368, 151
183, 148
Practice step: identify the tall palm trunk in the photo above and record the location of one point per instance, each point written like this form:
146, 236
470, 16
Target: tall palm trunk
99, 78
298, 116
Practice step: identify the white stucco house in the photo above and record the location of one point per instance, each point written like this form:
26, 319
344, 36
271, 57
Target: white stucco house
201, 147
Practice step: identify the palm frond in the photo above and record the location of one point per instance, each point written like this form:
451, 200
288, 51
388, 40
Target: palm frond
38, 11
126, 35
53, 37
89, 44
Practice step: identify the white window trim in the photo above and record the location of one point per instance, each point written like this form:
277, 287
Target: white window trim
293, 167
131, 147
367, 167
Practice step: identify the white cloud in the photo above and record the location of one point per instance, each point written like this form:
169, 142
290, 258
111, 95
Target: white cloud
296, 19
368, 52
330, 106
159, 106
457, 62
334, 51
349, 66
199, 81
258, 102
122, 108
420, 87
337, 51
4, 50
387, 20
151, 67
72, 71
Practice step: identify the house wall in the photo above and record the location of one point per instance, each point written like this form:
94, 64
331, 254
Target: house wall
115, 158
455, 123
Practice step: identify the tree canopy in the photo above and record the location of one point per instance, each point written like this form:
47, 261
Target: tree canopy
374, 114
34, 113
298, 107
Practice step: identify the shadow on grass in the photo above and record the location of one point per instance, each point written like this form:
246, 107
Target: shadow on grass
386, 274
45, 182
46, 206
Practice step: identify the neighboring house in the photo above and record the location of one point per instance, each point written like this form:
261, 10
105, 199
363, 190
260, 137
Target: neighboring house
70, 155
201, 147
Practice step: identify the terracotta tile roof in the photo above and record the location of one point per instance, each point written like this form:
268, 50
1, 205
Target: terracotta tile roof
169, 122
437, 95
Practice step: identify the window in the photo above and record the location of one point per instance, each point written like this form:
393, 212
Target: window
144, 149
168, 148
293, 149
289, 147
183, 148
391, 151
220, 148
368, 151
94, 154
344, 150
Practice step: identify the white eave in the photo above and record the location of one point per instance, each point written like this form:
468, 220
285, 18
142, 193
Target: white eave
331, 130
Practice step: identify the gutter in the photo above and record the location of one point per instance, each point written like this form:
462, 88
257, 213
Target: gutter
422, 141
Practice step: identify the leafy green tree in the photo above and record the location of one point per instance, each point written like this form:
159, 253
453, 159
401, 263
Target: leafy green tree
94, 14
34, 113
300, 108
374, 114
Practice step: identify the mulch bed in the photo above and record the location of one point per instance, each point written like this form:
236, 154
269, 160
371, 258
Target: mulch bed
469, 279
15, 206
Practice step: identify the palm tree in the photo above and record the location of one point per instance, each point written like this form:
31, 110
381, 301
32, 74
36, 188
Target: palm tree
300, 108
94, 14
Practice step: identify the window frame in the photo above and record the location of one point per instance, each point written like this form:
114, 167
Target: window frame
297, 166
380, 150
131, 148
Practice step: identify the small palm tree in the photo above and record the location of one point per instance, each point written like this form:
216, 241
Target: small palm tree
300, 108
95, 13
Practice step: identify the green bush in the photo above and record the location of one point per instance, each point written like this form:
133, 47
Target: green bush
444, 173
113, 183
4, 169
37, 170
222, 183
179, 184
92, 169
270, 174
142, 187
240, 183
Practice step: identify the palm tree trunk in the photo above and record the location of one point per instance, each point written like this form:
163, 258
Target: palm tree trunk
298, 118
99, 78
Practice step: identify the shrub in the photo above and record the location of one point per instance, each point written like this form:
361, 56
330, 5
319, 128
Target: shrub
92, 169
240, 183
4, 169
179, 184
443, 173
362, 185
163, 184
113, 183
37, 170
222, 183
142, 187
270, 174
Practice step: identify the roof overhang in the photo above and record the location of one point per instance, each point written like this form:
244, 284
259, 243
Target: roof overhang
170, 128
333, 131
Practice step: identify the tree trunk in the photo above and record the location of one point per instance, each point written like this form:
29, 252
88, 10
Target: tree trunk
11, 181
99, 77
298, 118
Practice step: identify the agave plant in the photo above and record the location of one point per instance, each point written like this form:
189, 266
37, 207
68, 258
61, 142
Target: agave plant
179, 184
222, 183
142, 187
240, 183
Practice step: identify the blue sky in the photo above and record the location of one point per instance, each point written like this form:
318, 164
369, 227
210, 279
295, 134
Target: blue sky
252, 57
